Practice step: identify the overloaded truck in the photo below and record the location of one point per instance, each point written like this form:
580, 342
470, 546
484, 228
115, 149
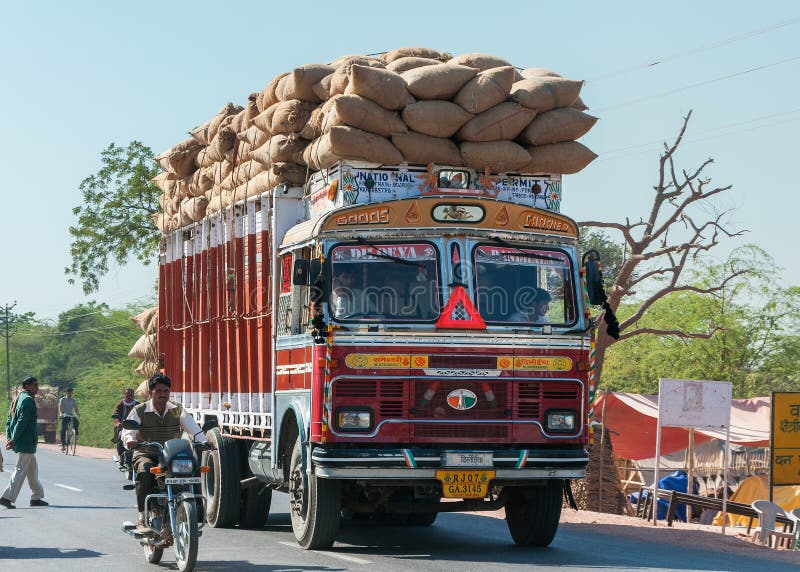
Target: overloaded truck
384, 341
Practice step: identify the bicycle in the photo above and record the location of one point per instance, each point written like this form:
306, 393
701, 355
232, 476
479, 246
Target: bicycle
70, 443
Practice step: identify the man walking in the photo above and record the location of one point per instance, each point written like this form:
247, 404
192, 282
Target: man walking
68, 408
22, 438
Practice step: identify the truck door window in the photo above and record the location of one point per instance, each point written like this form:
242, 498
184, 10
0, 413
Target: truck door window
285, 296
523, 285
385, 282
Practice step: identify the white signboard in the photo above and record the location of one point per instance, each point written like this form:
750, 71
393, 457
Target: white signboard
692, 403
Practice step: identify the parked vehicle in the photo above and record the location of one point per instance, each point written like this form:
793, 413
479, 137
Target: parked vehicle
174, 513
366, 344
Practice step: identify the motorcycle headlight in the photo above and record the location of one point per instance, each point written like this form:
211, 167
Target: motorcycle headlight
182, 466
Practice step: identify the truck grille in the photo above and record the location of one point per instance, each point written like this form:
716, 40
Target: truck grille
452, 432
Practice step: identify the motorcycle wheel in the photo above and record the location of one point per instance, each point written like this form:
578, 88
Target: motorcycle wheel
186, 537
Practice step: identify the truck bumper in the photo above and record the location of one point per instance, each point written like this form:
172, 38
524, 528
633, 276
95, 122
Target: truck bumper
422, 464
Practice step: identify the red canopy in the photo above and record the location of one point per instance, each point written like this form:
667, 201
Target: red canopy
631, 420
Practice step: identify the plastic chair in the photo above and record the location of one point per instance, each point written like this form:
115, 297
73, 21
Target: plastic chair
765, 532
794, 516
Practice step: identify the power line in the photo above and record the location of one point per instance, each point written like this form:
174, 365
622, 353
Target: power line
54, 334
663, 59
698, 84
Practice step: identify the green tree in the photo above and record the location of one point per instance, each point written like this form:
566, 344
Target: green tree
114, 221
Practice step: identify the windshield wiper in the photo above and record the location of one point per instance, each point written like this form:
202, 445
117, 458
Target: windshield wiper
381, 254
522, 253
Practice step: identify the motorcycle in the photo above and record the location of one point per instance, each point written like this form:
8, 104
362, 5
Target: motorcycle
125, 465
174, 513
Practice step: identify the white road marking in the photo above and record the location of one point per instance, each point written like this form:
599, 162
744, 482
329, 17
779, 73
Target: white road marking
69, 488
334, 554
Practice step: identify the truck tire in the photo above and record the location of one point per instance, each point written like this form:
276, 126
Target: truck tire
532, 513
255, 506
315, 512
221, 486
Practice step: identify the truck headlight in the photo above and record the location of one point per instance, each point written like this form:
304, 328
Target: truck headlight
182, 466
560, 421
354, 420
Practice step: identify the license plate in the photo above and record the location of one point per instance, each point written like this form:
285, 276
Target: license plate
465, 484
467, 459
183, 480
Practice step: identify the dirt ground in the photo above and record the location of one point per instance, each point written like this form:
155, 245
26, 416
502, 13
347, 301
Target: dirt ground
735, 541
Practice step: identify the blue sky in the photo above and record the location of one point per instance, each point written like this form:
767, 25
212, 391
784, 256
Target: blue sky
78, 76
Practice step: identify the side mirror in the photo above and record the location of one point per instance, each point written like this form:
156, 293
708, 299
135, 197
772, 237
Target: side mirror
130, 424
305, 272
594, 278
210, 423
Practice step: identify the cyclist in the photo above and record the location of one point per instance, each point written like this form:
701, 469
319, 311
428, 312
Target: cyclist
121, 411
159, 420
68, 409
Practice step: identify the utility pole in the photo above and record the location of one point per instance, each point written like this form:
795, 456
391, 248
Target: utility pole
7, 333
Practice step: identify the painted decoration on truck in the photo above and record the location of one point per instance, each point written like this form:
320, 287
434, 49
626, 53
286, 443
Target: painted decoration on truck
521, 256
533, 191
457, 213
379, 252
462, 399
384, 361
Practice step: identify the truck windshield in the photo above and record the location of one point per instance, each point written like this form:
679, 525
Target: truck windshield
385, 282
523, 285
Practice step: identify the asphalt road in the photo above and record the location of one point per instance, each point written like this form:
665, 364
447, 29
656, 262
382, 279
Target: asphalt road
81, 530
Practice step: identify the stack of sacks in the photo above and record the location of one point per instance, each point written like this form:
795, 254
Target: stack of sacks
411, 105
145, 346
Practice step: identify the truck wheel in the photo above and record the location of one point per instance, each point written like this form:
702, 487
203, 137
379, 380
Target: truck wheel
221, 486
315, 506
255, 506
532, 513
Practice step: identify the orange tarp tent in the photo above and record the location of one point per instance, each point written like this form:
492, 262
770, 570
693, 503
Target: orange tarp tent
755, 488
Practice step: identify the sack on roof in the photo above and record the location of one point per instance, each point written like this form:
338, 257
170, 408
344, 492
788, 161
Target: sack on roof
435, 118
361, 113
557, 125
546, 93
401, 65
145, 347
299, 83
503, 121
564, 158
386, 88
486, 89
442, 81
343, 142
421, 149
413, 52
497, 156
479, 61
290, 116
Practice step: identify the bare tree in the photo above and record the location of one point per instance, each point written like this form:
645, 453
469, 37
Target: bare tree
659, 247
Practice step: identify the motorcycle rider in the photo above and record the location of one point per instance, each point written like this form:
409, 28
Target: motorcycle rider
159, 420
121, 411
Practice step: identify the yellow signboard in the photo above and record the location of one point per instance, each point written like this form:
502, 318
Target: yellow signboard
785, 467
534, 363
385, 361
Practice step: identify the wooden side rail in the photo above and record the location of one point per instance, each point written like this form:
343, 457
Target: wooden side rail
676, 498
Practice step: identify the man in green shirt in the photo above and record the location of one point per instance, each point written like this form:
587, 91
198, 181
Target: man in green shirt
22, 438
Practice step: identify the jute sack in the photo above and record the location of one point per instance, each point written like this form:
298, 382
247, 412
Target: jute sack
497, 156
384, 87
254, 136
145, 347
322, 89
279, 149
401, 65
503, 121
161, 221
289, 173
163, 182
142, 392
203, 159
442, 81
143, 319
555, 126
538, 72
237, 123
546, 93
565, 158
291, 116
299, 83
214, 204
413, 52
206, 132
250, 112
181, 163
147, 369
246, 171
269, 96
313, 127
341, 77
486, 89
422, 149
194, 208
221, 144
264, 119
435, 118
343, 142
479, 61
361, 113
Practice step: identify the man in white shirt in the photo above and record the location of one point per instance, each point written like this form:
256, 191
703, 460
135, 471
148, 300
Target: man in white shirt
68, 409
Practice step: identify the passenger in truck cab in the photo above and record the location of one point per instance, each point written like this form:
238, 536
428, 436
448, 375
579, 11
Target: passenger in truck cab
537, 313
347, 297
